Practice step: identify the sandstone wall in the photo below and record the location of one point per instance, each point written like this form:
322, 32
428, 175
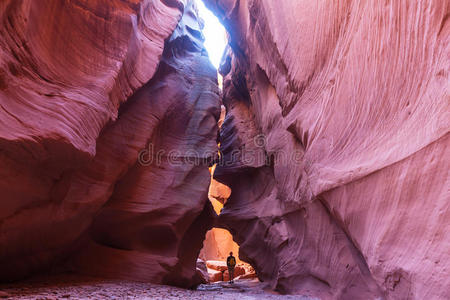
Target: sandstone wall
81, 122
335, 145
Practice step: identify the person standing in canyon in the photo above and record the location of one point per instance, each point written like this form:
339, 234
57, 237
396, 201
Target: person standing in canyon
231, 263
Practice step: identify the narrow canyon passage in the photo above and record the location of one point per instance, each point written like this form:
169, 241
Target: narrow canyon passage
219, 242
142, 141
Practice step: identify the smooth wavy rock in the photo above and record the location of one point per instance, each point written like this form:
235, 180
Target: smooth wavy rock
336, 145
97, 160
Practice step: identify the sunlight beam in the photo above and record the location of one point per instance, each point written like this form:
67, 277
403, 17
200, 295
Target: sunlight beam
214, 33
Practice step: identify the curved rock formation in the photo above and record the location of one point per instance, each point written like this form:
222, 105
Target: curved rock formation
218, 244
93, 169
335, 145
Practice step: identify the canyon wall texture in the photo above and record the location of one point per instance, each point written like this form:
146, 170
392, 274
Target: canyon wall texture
336, 145
102, 104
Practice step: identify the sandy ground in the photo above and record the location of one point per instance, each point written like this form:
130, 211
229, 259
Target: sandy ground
74, 287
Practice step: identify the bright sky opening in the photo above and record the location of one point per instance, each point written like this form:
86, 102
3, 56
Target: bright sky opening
214, 32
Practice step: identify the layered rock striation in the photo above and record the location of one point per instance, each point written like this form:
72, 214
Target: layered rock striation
335, 145
108, 113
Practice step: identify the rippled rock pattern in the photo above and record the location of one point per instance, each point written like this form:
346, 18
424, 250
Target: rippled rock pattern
90, 92
336, 145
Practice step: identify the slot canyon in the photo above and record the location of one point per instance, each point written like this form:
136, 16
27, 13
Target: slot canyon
318, 152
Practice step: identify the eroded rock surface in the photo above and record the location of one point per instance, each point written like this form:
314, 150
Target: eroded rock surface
336, 147
218, 244
96, 160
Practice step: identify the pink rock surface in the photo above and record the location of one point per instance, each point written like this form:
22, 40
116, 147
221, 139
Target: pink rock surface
218, 191
218, 265
218, 244
335, 142
68, 65
215, 275
335, 145
79, 178
218, 271
202, 271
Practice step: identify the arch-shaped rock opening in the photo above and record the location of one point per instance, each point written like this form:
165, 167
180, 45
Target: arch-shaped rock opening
217, 246
219, 243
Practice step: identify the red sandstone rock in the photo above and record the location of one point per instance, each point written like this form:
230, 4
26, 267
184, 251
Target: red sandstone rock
202, 271
219, 272
238, 271
217, 265
76, 182
217, 190
218, 244
68, 65
215, 275
339, 111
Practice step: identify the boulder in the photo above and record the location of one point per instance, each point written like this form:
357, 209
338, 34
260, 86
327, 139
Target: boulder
238, 271
215, 275
217, 265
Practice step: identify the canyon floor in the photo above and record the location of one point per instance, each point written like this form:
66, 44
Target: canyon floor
75, 287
